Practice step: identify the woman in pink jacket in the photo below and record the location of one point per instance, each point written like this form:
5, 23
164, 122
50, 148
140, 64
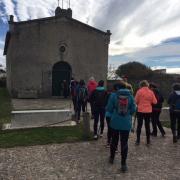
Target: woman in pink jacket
144, 99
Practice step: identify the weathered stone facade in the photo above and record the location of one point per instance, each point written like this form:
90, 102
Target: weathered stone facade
33, 47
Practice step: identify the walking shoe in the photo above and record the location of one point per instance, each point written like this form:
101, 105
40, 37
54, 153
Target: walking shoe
163, 134
101, 135
124, 168
111, 160
137, 143
95, 137
108, 145
148, 143
174, 139
153, 134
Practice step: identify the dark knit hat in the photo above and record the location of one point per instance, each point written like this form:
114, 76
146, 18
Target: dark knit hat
101, 83
176, 86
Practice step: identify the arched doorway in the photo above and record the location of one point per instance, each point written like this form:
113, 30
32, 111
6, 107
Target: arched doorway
61, 72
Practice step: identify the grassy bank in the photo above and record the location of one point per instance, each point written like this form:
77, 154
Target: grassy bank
35, 136
40, 136
5, 106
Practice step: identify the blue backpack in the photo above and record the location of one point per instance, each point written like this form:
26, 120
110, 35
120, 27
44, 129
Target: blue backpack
82, 94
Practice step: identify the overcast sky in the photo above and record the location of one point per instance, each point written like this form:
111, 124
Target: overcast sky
142, 30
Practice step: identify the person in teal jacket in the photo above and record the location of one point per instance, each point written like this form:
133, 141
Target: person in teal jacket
122, 106
108, 116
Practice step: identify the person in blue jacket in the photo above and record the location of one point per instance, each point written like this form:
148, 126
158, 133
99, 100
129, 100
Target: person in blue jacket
108, 117
121, 105
174, 110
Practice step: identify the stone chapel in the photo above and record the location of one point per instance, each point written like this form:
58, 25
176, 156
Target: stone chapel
41, 53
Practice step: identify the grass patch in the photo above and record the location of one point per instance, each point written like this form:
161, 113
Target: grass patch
166, 124
34, 136
40, 136
5, 106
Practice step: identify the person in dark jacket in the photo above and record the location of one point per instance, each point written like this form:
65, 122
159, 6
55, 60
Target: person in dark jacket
156, 110
73, 89
98, 98
82, 95
174, 109
121, 105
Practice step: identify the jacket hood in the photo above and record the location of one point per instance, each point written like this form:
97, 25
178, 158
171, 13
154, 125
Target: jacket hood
100, 88
124, 92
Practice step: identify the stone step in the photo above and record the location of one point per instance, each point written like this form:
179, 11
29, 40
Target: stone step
39, 118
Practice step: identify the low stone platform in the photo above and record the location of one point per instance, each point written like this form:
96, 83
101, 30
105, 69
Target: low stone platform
41, 104
38, 118
164, 116
29, 113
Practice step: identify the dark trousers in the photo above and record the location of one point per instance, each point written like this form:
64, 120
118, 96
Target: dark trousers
65, 93
146, 117
109, 130
156, 123
175, 123
124, 135
92, 108
80, 105
74, 99
99, 113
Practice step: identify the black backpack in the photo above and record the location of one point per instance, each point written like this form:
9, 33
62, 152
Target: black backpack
100, 98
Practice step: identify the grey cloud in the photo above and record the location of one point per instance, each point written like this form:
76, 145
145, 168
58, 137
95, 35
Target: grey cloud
115, 11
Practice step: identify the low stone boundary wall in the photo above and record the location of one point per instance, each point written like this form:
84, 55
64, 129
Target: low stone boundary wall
38, 118
164, 116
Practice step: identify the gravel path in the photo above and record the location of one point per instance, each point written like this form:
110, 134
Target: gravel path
89, 160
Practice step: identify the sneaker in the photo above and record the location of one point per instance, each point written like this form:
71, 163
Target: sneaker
101, 135
137, 143
95, 137
178, 137
108, 145
163, 134
124, 168
111, 160
153, 134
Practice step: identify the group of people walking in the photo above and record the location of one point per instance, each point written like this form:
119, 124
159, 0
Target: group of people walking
119, 106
